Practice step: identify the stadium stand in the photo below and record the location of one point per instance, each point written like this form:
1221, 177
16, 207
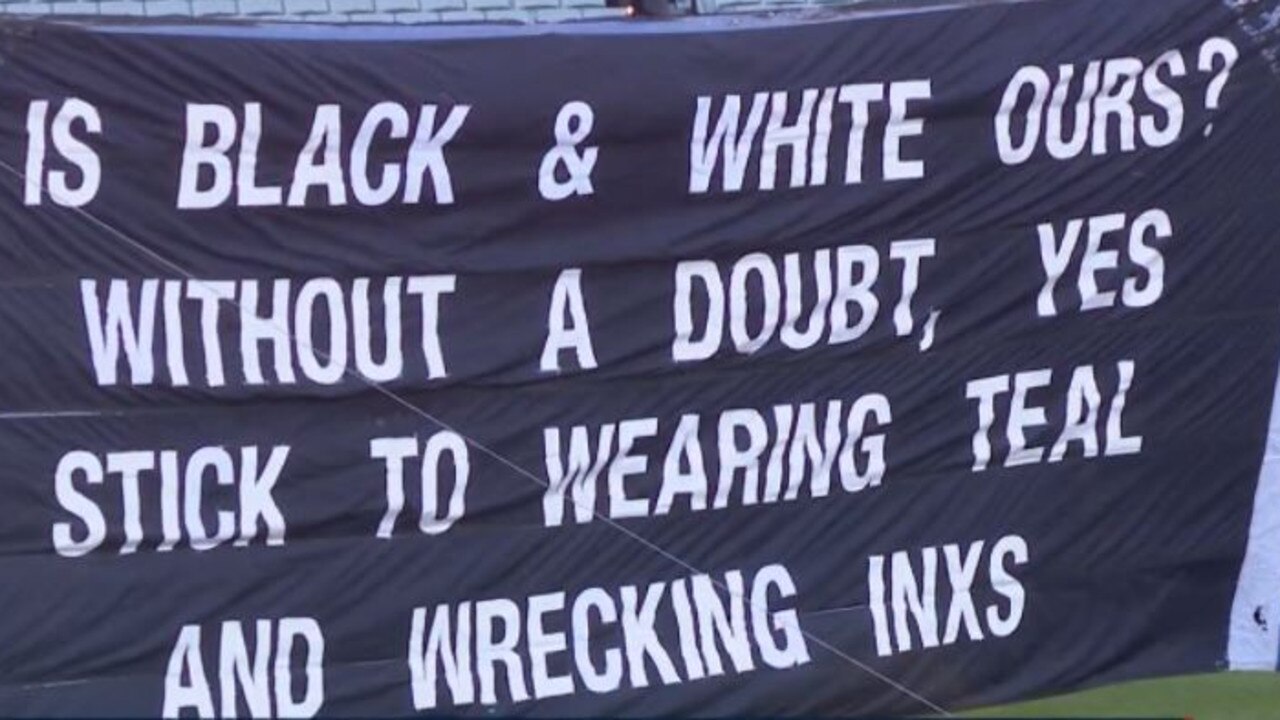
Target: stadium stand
374, 11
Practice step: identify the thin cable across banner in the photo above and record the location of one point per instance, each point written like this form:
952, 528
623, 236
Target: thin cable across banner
483, 448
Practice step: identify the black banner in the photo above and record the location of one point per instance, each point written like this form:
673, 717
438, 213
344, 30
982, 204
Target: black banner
879, 362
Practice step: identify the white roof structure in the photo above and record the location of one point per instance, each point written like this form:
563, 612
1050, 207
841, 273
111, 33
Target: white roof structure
372, 11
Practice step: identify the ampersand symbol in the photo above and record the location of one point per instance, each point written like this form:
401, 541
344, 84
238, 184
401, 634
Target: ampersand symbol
573, 125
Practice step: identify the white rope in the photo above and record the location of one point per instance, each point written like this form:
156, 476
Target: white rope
399, 400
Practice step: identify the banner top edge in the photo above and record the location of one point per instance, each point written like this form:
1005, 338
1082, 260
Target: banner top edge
375, 32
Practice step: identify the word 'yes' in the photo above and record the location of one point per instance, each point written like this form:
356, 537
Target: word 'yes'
1058, 248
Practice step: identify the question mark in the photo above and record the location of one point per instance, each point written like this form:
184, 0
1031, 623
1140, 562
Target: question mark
1213, 49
